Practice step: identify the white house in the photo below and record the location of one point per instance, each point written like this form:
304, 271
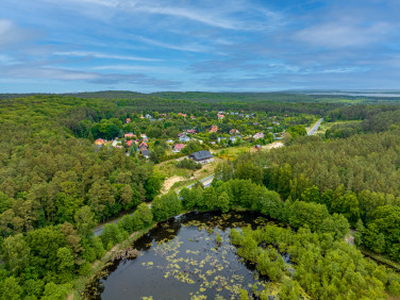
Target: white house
184, 138
258, 135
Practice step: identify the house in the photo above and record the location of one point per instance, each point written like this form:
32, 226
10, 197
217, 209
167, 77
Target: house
202, 157
241, 115
143, 146
258, 147
182, 115
256, 124
145, 153
221, 116
143, 135
214, 128
276, 123
234, 138
129, 143
270, 128
130, 135
258, 135
116, 143
192, 131
99, 142
152, 120
170, 141
128, 120
193, 117
178, 147
184, 138
148, 116
233, 132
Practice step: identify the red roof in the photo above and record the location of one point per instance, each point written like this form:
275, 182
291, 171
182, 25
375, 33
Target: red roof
130, 134
191, 131
143, 144
179, 147
129, 143
128, 120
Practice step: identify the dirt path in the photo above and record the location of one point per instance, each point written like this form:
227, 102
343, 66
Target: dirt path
273, 145
169, 182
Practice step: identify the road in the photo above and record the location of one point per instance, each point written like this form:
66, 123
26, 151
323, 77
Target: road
315, 128
205, 181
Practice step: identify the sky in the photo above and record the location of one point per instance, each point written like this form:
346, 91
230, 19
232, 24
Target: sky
58, 46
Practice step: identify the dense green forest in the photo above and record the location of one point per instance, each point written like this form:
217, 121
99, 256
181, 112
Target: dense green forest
355, 174
56, 185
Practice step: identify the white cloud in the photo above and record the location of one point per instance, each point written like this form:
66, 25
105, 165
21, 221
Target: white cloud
339, 34
11, 34
104, 55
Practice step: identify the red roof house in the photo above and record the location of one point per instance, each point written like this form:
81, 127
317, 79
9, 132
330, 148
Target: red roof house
178, 147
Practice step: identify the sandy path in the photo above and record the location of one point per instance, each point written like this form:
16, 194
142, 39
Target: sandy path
169, 182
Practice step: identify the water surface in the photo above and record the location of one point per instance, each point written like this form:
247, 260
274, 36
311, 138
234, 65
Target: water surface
182, 259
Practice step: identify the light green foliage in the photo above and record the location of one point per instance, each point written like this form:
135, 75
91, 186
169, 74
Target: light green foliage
210, 198
312, 214
10, 289
223, 202
111, 234
16, 253
53, 291
142, 217
338, 270
84, 221
166, 206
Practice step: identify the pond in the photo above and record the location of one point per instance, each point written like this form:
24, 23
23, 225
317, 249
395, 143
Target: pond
189, 256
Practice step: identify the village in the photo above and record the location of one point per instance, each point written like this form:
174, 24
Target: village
196, 137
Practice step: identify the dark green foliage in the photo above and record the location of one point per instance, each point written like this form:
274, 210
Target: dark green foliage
188, 164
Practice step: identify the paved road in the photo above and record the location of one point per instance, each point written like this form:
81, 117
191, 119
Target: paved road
315, 128
205, 181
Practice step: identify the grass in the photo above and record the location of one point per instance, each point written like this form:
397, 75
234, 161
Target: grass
234, 151
326, 125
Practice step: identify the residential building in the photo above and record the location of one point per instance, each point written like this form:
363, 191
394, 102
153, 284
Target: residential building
100, 142
234, 132
184, 138
143, 146
202, 157
178, 147
214, 128
258, 135
145, 153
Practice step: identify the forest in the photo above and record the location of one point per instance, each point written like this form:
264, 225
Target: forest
56, 186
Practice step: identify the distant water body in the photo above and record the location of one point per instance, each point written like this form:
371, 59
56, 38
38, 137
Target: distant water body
358, 94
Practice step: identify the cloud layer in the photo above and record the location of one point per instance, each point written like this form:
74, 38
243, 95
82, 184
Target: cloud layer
153, 45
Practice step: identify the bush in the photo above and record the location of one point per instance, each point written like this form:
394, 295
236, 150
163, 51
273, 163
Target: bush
188, 164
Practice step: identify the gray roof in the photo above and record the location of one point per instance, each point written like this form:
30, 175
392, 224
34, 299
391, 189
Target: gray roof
200, 155
145, 152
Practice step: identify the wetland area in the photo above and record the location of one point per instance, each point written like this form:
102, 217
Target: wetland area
189, 256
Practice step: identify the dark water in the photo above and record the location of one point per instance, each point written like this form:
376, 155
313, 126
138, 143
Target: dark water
181, 259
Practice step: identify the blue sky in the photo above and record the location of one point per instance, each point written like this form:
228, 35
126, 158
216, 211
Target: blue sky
218, 45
